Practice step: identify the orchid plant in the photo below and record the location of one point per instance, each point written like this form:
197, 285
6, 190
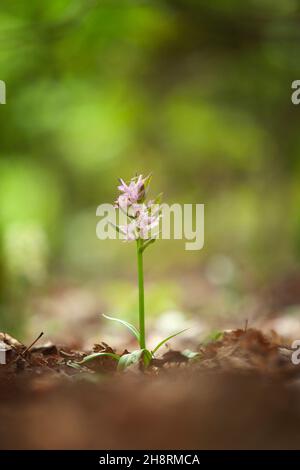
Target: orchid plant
142, 227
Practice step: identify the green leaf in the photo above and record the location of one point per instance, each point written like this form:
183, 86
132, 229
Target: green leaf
167, 339
74, 365
158, 198
130, 327
190, 354
128, 359
147, 180
147, 243
132, 358
99, 354
213, 336
147, 357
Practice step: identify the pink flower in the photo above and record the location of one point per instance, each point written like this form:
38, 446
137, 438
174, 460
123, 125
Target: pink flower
129, 231
122, 202
146, 230
144, 218
147, 219
132, 192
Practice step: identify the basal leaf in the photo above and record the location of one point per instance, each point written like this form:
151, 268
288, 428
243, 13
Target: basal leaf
167, 339
99, 354
130, 327
147, 357
132, 358
128, 359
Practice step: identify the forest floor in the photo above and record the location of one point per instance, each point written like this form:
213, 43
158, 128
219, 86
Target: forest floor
241, 391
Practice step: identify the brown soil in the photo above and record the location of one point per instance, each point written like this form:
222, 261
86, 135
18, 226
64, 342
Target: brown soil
240, 392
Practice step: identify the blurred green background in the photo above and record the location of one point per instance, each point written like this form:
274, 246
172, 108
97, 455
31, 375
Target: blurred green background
197, 92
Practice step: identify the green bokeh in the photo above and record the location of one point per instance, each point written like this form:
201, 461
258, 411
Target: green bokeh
197, 92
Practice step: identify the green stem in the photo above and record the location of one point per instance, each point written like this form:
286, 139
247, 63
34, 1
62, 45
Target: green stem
141, 293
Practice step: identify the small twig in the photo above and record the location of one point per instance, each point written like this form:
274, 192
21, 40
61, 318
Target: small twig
32, 344
21, 354
246, 325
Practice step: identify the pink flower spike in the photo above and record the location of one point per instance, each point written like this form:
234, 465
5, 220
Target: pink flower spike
134, 190
123, 186
129, 231
123, 201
